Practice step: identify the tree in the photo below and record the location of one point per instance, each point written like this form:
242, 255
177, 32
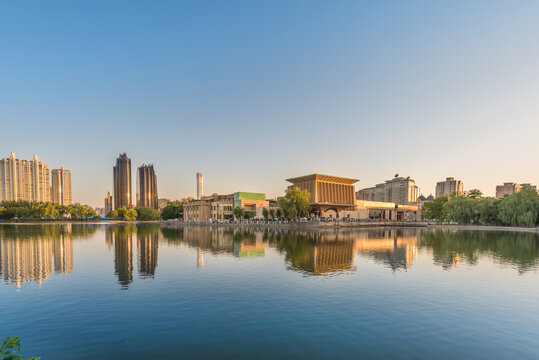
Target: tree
251, 214
433, 210
520, 209
113, 214
300, 200
239, 212
272, 213
265, 213
474, 194
146, 213
279, 213
173, 210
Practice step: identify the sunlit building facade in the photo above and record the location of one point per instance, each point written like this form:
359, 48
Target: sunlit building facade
449, 187
399, 190
147, 187
108, 203
122, 182
24, 180
329, 194
61, 186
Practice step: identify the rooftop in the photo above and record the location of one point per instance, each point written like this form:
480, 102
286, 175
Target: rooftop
322, 177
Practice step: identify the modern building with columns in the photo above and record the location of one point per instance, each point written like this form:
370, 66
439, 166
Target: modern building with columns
329, 194
334, 196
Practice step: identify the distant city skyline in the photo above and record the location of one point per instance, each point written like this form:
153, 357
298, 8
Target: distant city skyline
253, 93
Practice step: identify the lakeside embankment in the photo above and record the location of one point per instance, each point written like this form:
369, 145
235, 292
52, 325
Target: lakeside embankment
484, 228
297, 225
346, 224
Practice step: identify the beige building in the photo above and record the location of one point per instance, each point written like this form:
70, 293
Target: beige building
509, 188
449, 187
221, 207
61, 186
329, 194
24, 180
399, 190
197, 210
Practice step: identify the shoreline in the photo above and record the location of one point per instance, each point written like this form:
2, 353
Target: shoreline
484, 228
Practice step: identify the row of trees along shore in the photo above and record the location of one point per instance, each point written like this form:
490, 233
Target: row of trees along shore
24, 210
519, 209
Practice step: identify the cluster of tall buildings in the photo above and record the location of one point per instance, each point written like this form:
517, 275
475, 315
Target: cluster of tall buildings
146, 182
30, 180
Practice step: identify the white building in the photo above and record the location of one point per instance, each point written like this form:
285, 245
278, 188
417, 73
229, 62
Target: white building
24, 180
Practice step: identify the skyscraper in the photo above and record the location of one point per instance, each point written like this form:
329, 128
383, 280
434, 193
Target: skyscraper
147, 187
122, 182
200, 179
61, 186
108, 203
27, 180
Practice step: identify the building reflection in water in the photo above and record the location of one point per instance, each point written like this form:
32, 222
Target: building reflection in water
396, 248
27, 255
122, 236
147, 253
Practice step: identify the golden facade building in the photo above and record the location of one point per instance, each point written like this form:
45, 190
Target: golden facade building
122, 182
147, 187
399, 190
61, 186
329, 194
24, 180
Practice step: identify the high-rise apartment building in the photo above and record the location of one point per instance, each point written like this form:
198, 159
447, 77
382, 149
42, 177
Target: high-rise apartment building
510, 188
24, 180
200, 180
108, 203
399, 190
147, 187
61, 186
122, 182
449, 187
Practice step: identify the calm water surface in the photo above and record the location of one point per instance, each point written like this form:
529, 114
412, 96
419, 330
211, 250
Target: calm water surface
141, 292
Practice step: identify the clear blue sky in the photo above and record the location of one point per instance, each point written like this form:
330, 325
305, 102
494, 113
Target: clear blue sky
253, 92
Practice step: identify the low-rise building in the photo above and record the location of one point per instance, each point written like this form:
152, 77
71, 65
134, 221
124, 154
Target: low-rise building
197, 210
251, 202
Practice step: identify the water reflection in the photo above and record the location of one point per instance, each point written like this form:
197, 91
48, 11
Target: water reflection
32, 253
450, 248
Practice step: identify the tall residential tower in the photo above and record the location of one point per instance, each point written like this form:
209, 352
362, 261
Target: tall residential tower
122, 182
61, 186
147, 187
27, 180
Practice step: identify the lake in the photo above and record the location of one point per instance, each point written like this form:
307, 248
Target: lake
137, 291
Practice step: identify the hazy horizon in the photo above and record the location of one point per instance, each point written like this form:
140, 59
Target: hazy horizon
252, 93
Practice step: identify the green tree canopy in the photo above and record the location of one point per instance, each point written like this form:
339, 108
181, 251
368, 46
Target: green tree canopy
173, 210
146, 213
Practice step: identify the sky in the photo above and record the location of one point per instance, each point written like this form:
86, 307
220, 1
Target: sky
254, 92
